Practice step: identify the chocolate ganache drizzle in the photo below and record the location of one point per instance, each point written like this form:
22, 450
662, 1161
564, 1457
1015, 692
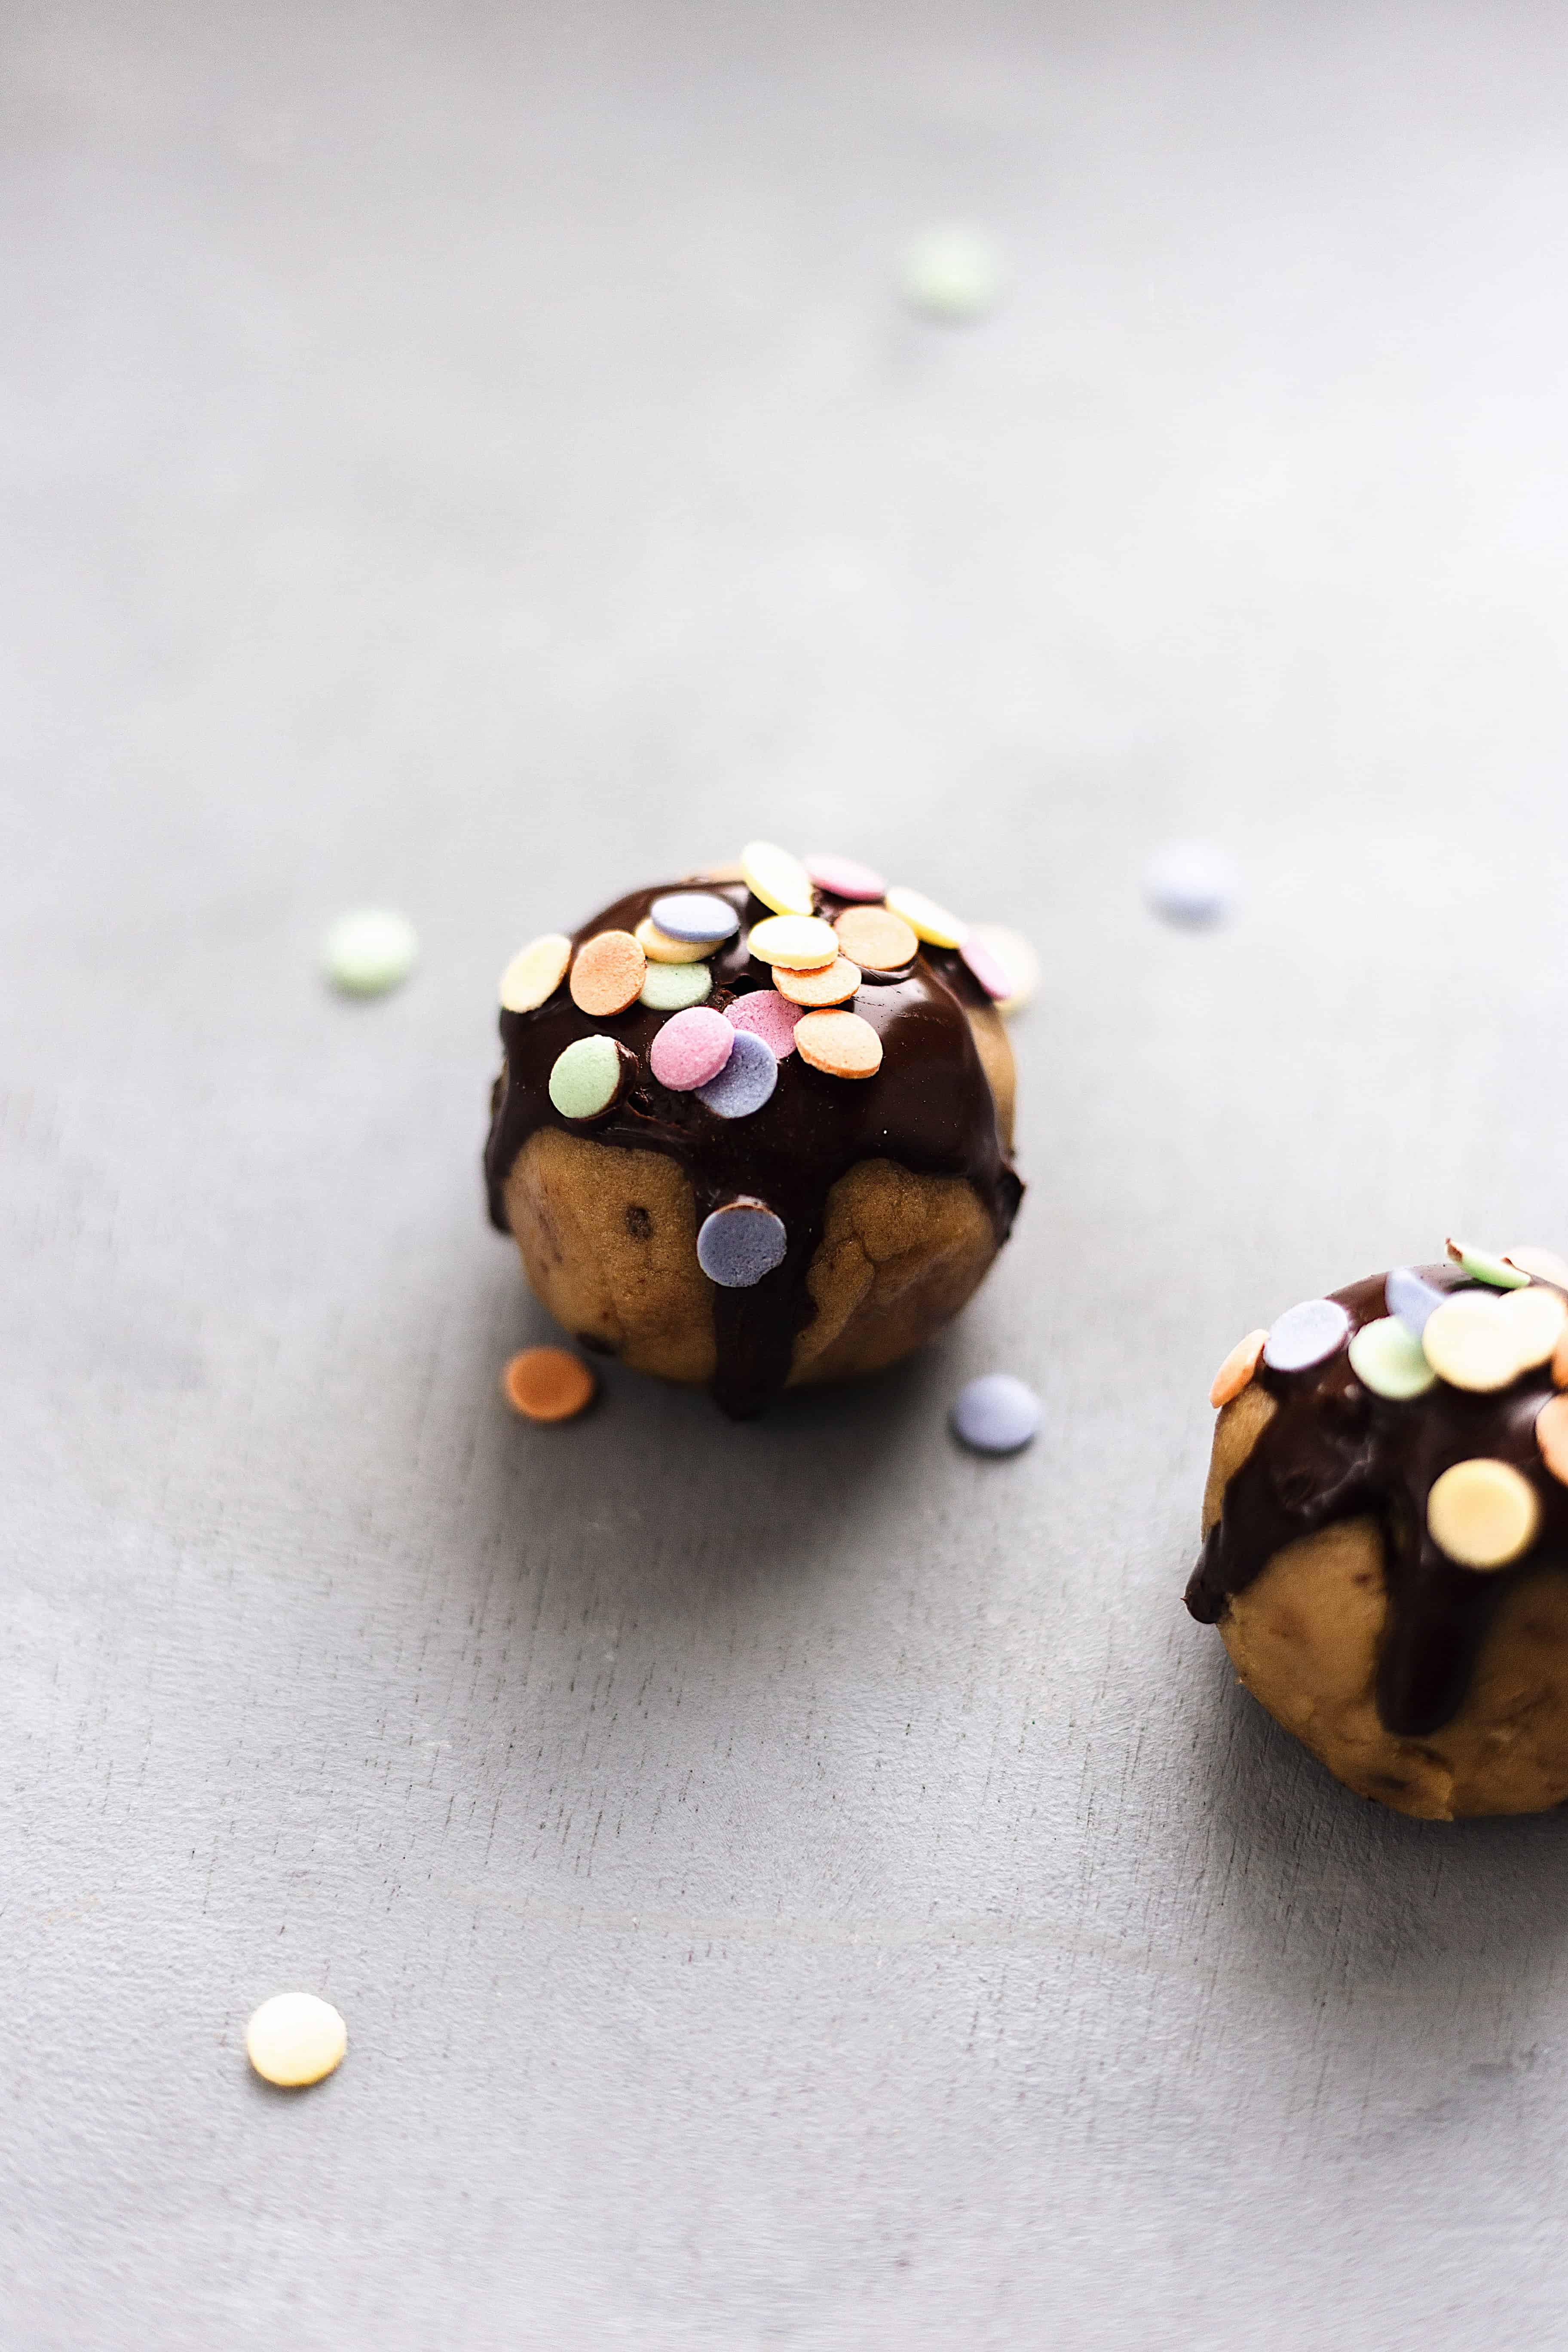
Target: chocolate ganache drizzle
929, 1107
1334, 1451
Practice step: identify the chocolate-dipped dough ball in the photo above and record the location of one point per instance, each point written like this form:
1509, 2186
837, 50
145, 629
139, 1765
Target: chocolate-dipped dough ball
1386, 1530
753, 1130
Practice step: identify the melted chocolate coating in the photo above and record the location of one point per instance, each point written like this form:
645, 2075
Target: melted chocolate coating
1334, 1451
930, 1108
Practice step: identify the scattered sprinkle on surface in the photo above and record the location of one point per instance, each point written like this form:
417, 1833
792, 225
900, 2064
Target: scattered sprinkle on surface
768, 1015
660, 948
1018, 960
775, 877
835, 983
1192, 884
695, 917
1485, 1266
1483, 1513
548, 1384
1470, 1344
876, 940
841, 1044
952, 275
370, 951
988, 969
586, 1078
1552, 1436
927, 919
997, 1413
671, 987
741, 1243
1537, 1317
607, 974
1415, 1301
294, 2039
535, 972
747, 1079
1236, 1372
803, 942
1386, 1356
692, 1048
846, 877
1305, 1335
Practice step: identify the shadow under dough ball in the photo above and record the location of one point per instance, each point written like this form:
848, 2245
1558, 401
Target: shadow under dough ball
1385, 1533
890, 1195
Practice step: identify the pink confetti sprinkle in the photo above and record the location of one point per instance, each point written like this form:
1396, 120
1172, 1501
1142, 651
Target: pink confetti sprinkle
845, 877
692, 1047
986, 968
768, 1015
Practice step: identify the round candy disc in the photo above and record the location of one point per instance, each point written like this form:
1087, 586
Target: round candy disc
695, 916
671, 987
1414, 1300
1018, 960
660, 948
547, 1384
775, 877
845, 877
741, 1243
804, 941
1469, 1342
1305, 1335
927, 919
746, 1080
1191, 883
1483, 1513
586, 1078
294, 2039
1386, 1357
1485, 1266
1545, 1264
1236, 1372
842, 1043
535, 972
876, 940
768, 1015
369, 952
690, 1048
1537, 1317
987, 968
607, 974
995, 1413
835, 984
1552, 1436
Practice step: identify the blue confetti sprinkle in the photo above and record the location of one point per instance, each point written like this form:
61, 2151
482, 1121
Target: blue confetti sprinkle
741, 1243
1412, 1299
695, 917
1304, 1335
995, 1413
746, 1080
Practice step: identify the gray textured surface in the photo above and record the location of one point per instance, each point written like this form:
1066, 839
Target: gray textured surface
793, 1885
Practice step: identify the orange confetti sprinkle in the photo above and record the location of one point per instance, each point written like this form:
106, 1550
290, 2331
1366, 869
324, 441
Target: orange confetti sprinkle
547, 1384
876, 939
832, 983
1237, 1369
1552, 1436
608, 974
842, 1043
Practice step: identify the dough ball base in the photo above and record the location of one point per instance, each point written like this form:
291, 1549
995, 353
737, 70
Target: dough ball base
1305, 1638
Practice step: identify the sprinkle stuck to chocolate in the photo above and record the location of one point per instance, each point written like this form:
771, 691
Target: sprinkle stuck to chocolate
1448, 1465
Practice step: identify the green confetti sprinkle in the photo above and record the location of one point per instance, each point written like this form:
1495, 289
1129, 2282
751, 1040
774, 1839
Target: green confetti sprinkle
369, 952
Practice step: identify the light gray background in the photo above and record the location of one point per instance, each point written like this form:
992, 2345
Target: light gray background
793, 1885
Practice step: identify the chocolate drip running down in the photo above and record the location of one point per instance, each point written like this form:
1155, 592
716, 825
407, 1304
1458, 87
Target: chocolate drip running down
929, 1107
1334, 1450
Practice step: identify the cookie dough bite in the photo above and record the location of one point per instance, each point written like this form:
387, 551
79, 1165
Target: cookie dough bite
754, 1130
1385, 1531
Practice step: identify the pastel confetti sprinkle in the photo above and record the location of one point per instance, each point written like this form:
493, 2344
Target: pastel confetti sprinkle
841, 1044
607, 974
671, 987
804, 941
1236, 1373
586, 1078
1483, 1513
1305, 1335
1560, 1363
987, 968
835, 983
1191, 884
1386, 1357
954, 276
659, 949
1018, 960
294, 2039
695, 916
535, 972
692, 1048
845, 877
927, 919
876, 940
768, 1015
995, 1413
370, 951
747, 1079
1545, 1264
1469, 1343
1484, 1266
1537, 1317
1414, 1300
1552, 1436
775, 877
548, 1384
739, 1243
